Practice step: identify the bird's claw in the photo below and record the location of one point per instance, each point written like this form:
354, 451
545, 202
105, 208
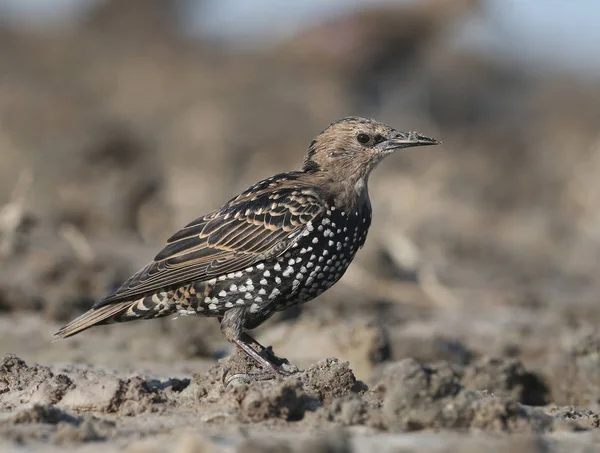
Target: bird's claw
287, 369
247, 378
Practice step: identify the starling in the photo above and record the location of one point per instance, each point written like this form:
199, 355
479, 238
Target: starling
282, 242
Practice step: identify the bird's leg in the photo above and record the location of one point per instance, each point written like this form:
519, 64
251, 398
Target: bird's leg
282, 367
231, 326
262, 361
248, 339
264, 352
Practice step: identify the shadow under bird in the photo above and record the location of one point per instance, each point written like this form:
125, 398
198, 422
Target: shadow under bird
282, 242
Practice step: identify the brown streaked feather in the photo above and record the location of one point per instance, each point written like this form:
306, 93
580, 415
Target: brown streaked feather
92, 318
259, 223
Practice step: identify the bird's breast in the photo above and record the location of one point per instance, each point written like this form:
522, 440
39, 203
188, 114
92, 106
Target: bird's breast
314, 262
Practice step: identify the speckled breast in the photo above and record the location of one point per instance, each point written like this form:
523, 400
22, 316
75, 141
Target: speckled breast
310, 266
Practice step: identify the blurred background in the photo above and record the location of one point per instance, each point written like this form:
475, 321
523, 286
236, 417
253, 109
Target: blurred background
120, 121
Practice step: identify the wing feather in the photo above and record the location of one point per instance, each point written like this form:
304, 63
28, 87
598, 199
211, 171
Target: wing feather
258, 224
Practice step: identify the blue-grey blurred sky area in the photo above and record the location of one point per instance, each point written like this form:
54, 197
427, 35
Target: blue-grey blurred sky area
555, 32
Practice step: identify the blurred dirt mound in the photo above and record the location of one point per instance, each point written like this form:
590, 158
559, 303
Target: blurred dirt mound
506, 378
575, 373
112, 182
62, 279
24, 385
288, 399
370, 45
42, 414
419, 397
86, 390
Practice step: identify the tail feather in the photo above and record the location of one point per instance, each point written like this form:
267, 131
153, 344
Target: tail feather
94, 317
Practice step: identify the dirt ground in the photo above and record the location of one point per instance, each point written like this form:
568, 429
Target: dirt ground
449, 396
469, 321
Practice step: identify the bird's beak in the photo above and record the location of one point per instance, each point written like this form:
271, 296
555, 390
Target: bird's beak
408, 139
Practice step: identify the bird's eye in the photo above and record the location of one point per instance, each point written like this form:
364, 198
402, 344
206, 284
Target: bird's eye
379, 138
363, 138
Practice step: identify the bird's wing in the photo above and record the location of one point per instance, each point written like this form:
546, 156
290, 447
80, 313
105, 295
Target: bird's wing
256, 225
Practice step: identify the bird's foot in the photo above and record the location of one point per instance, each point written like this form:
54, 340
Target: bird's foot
247, 378
284, 370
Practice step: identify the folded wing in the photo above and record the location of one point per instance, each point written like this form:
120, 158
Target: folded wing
259, 224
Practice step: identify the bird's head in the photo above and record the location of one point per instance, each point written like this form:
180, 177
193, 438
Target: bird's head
351, 147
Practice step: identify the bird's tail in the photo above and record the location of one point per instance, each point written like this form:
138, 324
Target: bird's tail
107, 314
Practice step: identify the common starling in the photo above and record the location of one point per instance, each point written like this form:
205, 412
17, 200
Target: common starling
281, 242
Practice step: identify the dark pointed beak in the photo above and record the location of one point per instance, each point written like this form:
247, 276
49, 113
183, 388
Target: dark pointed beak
408, 139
